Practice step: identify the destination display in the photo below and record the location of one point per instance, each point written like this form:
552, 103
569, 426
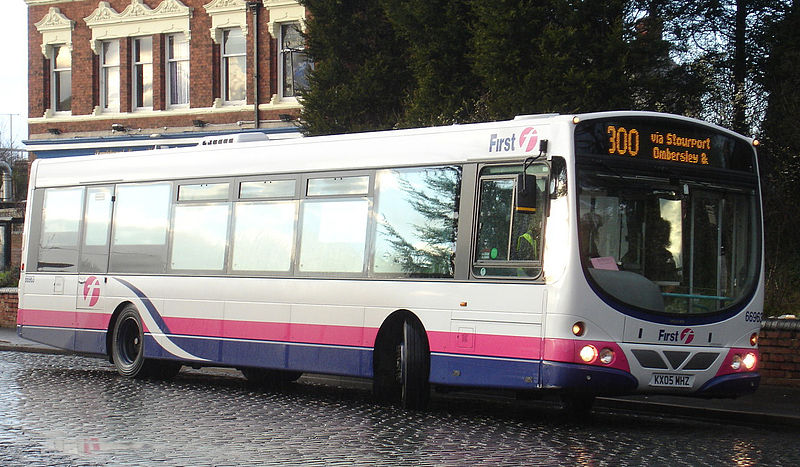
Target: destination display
666, 140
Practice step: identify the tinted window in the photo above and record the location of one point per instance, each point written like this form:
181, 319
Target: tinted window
334, 236
263, 236
61, 223
338, 186
141, 222
417, 218
199, 237
267, 189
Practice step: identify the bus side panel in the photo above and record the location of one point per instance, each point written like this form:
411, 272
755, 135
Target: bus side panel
335, 329
48, 313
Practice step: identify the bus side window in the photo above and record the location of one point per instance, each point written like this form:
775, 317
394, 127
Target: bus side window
140, 228
61, 226
509, 237
417, 217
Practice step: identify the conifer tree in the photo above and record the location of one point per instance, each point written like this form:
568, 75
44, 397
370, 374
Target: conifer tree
780, 163
360, 76
438, 34
550, 56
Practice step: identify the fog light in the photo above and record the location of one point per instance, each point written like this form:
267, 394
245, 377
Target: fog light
736, 363
749, 361
579, 328
588, 353
606, 356
754, 339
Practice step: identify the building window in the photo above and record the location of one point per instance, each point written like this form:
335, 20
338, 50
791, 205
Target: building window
294, 61
143, 72
61, 80
234, 65
109, 75
177, 70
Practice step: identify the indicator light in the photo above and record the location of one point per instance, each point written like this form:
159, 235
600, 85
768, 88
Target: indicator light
736, 362
579, 328
606, 356
576, 120
754, 339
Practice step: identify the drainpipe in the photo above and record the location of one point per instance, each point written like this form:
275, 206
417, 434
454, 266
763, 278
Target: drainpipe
254, 5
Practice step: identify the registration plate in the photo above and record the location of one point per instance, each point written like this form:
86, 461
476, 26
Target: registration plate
666, 380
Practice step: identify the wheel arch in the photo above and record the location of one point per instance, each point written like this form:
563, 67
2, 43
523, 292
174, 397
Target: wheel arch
389, 335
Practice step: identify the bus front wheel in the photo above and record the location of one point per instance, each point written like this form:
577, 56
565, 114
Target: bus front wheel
413, 368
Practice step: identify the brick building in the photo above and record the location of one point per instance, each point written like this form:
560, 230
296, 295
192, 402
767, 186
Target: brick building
136, 74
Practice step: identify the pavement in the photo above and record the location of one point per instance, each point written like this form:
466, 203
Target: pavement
770, 406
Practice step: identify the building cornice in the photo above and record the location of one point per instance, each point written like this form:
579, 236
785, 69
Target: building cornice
284, 11
137, 19
226, 14
56, 29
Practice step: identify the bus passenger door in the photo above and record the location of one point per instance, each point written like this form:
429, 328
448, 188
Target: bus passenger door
91, 315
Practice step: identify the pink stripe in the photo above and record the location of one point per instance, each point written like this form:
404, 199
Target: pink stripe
93, 320
485, 344
63, 319
57, 319
291, 332
449, 342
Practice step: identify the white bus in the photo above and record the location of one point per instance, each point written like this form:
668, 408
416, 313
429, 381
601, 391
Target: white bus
598, 254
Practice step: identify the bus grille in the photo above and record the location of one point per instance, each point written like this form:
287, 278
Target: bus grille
658, 361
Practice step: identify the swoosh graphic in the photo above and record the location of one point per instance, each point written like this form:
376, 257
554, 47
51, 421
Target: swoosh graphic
154, 321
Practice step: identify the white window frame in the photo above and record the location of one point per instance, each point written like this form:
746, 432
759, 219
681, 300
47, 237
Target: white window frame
53, 73
104, 105
224, 68
135, 104
169, 61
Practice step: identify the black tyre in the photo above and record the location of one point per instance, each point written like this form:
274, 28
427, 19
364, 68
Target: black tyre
127, 349
127, 345
414, 368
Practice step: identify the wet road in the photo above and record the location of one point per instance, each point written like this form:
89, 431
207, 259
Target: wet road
70, 410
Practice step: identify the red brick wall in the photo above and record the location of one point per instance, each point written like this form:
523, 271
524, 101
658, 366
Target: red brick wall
38, 69
779, 344
8, 310
203, 68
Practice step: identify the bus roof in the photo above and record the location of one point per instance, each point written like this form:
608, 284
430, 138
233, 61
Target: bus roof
506, 140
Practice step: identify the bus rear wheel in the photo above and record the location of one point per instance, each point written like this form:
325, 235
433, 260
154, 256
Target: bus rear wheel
127, 349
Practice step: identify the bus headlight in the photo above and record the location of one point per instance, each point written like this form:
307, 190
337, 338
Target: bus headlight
749, 361
736, 362
606, 356
588, 353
